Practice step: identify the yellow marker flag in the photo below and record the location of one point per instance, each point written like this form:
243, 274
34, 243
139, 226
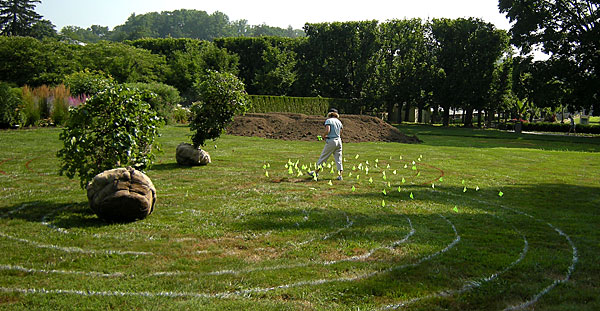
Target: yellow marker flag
465, 189
371, 180
330, 183
267, 173
403, 180
383, 203
395, 172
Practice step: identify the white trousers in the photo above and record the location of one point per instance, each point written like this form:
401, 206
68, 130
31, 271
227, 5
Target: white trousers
332, 146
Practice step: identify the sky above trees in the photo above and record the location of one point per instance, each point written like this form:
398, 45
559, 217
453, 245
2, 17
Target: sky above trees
271, 12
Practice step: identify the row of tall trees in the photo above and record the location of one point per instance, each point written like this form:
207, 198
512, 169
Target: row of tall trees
442, 64
194, 24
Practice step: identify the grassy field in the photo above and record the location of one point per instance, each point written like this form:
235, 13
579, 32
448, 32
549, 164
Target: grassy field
467, 220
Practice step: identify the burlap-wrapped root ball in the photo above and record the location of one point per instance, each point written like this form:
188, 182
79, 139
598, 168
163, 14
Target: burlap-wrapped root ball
187, 155
121, 195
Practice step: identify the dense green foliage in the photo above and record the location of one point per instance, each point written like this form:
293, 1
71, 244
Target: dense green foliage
189, 60
10, 107
221, 97
305, 105
163, 100
568, 30
88, 82
114, 128
194, 24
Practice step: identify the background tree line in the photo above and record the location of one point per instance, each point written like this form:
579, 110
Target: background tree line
442, 64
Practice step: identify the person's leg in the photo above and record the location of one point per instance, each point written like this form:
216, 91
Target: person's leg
337, 156
327, 151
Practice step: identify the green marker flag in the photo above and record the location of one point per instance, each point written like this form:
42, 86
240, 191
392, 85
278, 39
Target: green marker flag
441, 179
405, 165
500, 193
384, 192
418, 174
376, 160
264, 167
299, 173
267, 173
411, 195
388, 166
286, 166
315, 177
414, 168
465, 189
350, 174
455, 209
330, 183
332, 170
357, 177
319, 137
290, 170
463, 181
384, 177
353, 188
383, 203
399, 189
371, 180
389, 185
354, 168
400, 157
403, 180
356, 156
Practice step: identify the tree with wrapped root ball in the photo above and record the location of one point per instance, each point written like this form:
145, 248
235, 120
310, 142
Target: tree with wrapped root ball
114, 128
221, 97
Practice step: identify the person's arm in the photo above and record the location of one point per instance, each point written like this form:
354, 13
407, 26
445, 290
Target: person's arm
328, 129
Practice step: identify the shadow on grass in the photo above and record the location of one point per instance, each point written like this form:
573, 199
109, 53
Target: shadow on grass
479, 138
169, 166
60, 215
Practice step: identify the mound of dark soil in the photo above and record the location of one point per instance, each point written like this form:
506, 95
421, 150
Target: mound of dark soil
292, 126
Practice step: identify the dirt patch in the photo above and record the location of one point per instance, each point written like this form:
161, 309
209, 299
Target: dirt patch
293, 126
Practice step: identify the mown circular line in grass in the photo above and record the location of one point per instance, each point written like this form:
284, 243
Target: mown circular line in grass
240, 293
468, 285
1, 163
570, 269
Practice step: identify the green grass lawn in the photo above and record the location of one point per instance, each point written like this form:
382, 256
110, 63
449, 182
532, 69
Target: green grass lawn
497, 221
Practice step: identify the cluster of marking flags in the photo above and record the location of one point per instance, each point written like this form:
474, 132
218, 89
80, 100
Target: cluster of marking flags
298, 170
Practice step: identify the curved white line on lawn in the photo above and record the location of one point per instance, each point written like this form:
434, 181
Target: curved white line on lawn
570, 270
468, 285
73, 249
241, 293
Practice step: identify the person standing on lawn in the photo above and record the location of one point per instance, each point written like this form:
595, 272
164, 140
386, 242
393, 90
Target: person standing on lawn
572, 127
333, 142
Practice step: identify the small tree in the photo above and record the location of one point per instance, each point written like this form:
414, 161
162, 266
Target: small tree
115, 127
222, 96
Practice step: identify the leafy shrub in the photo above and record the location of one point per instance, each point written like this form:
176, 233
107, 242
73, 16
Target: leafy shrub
114, 128
88, 82
222, 96
181, 114
165, 101
10, 107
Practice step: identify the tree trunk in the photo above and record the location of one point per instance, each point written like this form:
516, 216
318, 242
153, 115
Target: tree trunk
468, 117
446, 116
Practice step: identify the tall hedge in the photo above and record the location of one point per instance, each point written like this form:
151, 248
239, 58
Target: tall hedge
305, 105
